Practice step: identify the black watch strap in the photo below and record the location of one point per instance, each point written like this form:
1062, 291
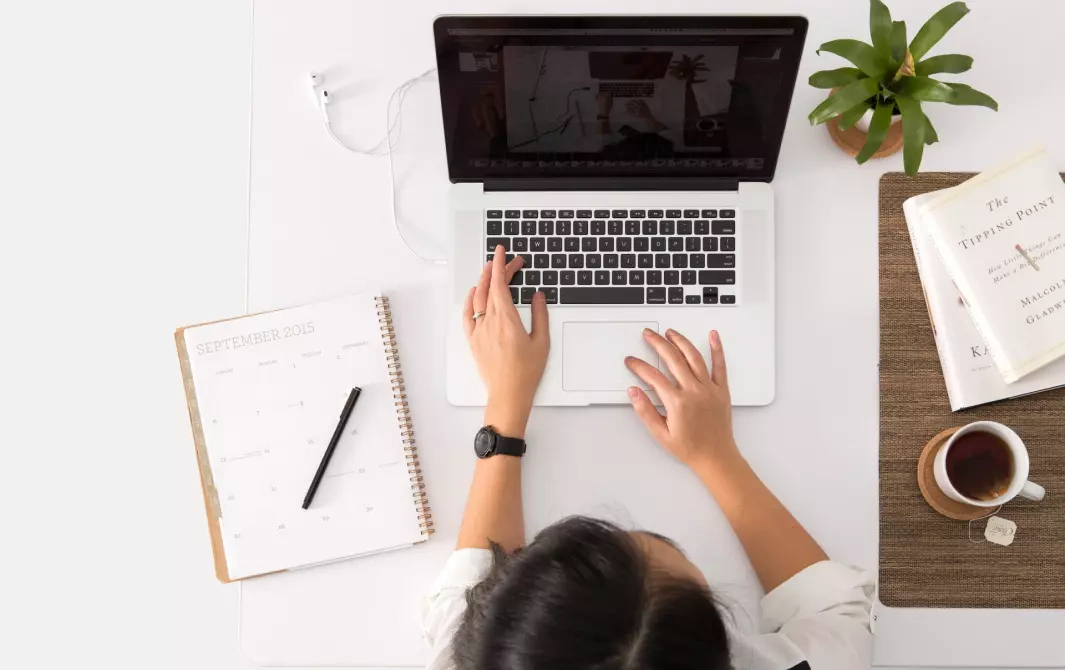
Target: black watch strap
509, 446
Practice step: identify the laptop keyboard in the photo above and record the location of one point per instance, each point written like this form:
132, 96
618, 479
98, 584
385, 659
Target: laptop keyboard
619, 256
628, 89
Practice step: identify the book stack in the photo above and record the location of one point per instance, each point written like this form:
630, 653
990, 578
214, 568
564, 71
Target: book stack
991, 257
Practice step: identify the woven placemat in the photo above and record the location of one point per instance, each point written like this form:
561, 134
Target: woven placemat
927, 560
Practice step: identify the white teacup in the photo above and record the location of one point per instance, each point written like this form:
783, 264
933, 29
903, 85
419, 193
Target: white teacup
1019, 484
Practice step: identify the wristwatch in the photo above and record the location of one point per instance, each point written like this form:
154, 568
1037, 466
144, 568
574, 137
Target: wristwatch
489, 443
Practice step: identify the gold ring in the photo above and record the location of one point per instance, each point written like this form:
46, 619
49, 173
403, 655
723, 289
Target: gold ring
477, 315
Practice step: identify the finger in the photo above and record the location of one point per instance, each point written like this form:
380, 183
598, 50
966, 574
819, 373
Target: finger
718, 368
467, 312
645, 409
671, 355
480, 294
498, 291
513, 266
541, 330
691, 354
650, 376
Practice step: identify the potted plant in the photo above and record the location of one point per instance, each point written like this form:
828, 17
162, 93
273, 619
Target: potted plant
891, 79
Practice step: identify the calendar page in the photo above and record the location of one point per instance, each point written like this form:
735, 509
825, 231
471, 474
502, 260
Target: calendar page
270, 389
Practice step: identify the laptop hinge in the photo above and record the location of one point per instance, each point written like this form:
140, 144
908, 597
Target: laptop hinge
614, 184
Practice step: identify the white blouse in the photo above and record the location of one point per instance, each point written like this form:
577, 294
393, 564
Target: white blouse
818, 619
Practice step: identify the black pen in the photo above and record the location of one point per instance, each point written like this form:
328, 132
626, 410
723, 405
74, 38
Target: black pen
348, 406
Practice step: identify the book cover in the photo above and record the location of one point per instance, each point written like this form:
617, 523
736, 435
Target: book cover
969, 373
1001, 238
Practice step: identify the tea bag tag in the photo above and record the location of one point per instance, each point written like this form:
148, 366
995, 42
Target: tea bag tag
1000, 531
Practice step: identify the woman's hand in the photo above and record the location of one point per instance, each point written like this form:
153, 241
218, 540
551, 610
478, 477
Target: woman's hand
510, 360
697, 427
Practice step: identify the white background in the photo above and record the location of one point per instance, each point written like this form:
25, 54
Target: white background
124, 173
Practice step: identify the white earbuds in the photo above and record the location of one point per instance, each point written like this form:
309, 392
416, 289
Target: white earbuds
320, 93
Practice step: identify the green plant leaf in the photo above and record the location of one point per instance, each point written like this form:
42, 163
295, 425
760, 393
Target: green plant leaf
913, 127
851, 116
880, 26
925, 89
843, 99
950, 63
936, 27
967, 95
878, 128
868, 59
898, 43
834, 78
930, 136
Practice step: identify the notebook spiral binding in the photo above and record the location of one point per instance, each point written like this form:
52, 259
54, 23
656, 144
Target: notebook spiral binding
406, 426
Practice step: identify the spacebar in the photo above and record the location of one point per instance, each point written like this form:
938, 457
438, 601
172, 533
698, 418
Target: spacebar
606, 295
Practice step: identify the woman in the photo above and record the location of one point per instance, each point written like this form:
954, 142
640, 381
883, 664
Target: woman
587, 595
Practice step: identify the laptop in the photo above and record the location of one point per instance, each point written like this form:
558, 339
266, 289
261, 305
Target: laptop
631, 211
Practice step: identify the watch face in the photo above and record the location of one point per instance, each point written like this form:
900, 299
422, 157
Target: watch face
483, 443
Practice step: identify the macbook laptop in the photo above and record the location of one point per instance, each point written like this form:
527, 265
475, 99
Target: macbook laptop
652, 210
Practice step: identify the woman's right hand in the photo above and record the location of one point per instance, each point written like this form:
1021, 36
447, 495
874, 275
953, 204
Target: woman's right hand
697, 427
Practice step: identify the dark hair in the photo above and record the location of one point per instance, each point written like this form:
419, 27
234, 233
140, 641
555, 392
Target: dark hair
582, 596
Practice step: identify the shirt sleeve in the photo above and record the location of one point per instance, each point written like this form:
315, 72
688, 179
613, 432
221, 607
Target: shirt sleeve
443, 606
820, 616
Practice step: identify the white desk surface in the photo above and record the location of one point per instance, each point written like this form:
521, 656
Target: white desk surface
125, 190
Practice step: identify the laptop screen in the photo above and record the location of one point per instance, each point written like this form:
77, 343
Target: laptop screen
613, 97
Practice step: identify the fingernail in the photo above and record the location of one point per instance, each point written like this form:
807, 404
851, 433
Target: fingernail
632, 391
669, 331
714, 337
647, 331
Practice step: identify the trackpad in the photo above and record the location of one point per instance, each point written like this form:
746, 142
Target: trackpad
593, 354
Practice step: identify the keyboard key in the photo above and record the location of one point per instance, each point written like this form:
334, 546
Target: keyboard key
602, 213
542, 261
580, 227
527, 295
696, 261
680, 260
628, 260
673, 214
728, 244
547, 213
710, 290
645, 261
605, 295
610, 260
598, 227
655, 214
493, 242
728, 214
728, 300
550, 277
511, 227
691, 213
618, 277
576, 261
709, 213
636, 276
654, 277
589, 244
547, 227
530, 214
513, 213
563, 227
584, 277
709, 299
676, 244
554, 244
702, 227
661, 260
721, 260
620, 213
537, 245
637, 213
495, 214
495, 227
717, 277
624, 244
526, 258
672, 277
606, 244
709, 244
528, 227
632, 227
521, 243
613, 227
584, 213
641, 244
724, 227
684, 227
532, 277
558, 261
593, 261
551, 294
602, 277
658, 244
516, 280
573, 244
687, 277
676, 295
567, 277
650, 227
691, 244
565, 213
656, 295
692, 300
515, 297
667, 227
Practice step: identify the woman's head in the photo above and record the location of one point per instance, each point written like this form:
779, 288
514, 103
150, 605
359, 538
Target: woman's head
588, 595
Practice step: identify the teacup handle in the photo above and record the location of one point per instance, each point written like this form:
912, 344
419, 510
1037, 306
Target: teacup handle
1032, 491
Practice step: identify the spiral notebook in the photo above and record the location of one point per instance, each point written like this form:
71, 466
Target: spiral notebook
265, 394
